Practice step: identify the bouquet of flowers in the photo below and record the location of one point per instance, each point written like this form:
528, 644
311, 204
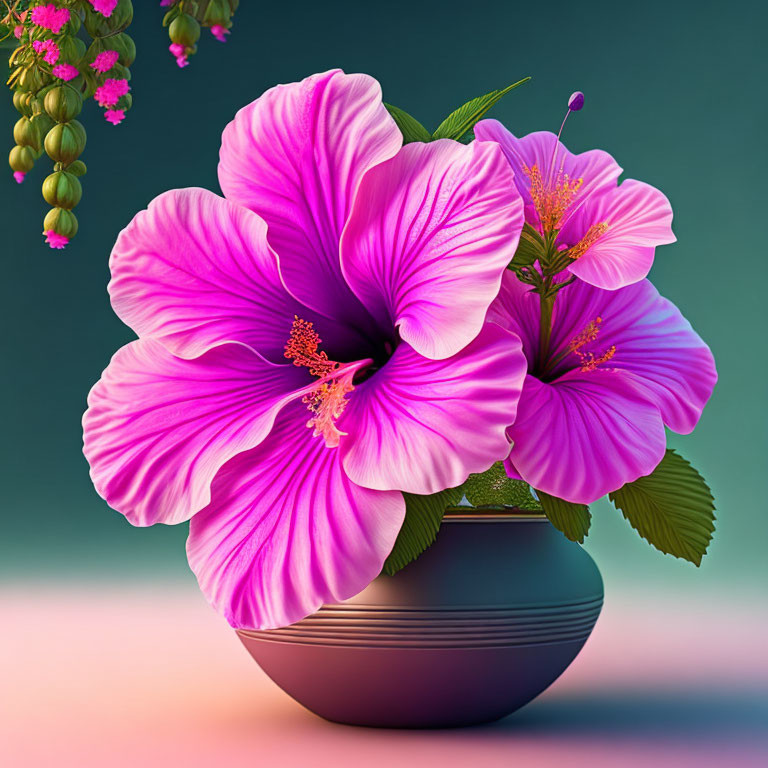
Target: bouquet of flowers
378, 322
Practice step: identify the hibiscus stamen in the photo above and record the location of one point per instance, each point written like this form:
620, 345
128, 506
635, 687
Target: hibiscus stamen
594, 233
327, 400
589, 360
551, 199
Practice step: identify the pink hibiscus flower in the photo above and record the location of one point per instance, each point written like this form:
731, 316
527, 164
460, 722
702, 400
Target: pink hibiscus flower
611, 230
104, 7
50, 17
48, 48
621, 365
110, 91
65, 71
105, 60
114, 116
309, 347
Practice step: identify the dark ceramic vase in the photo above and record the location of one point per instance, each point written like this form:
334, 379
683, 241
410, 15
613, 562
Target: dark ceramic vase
484, 621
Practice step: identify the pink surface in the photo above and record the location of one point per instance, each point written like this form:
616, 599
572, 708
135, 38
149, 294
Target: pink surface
104, 676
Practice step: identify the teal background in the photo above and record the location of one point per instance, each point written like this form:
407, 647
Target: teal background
675, 91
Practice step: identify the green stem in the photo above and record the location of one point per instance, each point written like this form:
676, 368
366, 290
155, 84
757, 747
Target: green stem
546, 304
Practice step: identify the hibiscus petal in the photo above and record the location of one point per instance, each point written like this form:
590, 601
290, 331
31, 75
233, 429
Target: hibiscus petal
287, 531
654, 343
597, 169
195, 270
430, 235
422, 425
295, 156
159, 427
585, 435
639, 217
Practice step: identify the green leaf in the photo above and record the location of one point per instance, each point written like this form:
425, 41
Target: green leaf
410, 127
573, 520
423, 515
495, 488
464, 118
530, 248
672, 508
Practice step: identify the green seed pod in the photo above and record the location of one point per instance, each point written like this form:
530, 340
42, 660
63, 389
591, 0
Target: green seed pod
21, 159
124, 45
125, 102
61, 221
78, 168
31, 79
217, 12
62, 190
22, 103
119, 72
233, 5
101, 26
63, 103
27, 134
184, 30
65, 142
72, 49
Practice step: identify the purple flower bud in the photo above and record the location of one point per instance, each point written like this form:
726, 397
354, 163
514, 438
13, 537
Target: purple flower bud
576, 102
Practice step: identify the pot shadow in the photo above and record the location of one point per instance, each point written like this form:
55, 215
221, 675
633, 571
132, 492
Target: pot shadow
713, 716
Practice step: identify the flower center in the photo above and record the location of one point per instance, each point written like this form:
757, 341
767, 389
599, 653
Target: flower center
551, 198
327, 400
589, 360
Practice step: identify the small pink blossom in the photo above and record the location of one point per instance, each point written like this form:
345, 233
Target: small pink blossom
104, 7
108, 94
166, 3
219, 33
50, 17
55, 240
65, 71
105, 61
18, 31
115, 116
48, 48
19, 176
176, 49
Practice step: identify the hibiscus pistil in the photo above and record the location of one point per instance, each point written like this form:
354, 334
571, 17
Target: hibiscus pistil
590, 360
327, 400
594, 233
552, 198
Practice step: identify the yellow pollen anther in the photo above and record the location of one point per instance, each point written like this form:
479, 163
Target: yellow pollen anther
594, 233
327, 401
589, 360
551, 200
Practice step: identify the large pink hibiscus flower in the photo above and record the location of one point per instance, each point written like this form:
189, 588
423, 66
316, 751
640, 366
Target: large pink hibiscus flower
621, 365
609, 230
309, 347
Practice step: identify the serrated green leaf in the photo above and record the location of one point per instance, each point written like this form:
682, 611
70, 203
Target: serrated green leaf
409, 126
573, 520
464, 118
495, 488
672, 508
530, 247
423, 515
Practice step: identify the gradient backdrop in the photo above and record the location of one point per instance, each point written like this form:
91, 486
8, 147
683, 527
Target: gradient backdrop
674, 90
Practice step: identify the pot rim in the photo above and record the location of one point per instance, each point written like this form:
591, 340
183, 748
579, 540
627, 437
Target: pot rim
492, 515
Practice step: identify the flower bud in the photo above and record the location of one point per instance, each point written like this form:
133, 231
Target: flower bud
63, 103
65, 142
27, 134
184, 30
62, 190
21, 159
60, 221
99, 25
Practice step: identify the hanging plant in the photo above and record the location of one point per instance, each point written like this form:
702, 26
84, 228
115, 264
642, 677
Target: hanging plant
67, 52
